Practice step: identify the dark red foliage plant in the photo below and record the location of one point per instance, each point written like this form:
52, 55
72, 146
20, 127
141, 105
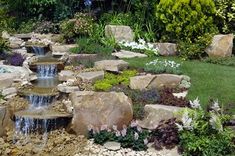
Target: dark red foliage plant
165, 135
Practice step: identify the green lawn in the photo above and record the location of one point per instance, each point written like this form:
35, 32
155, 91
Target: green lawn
208, 80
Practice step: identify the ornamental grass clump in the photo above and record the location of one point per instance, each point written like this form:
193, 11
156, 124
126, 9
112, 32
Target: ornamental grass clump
132, 136
157, 66
203, 132
141, 46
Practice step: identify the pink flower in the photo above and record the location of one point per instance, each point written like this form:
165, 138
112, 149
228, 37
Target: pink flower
136, 136
123, 132
145, 141
133, 123
115, 127
104, 127
117, 133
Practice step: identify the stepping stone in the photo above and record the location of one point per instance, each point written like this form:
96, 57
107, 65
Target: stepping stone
128, 54
113, 146
65, 75
91, 76
112, 65
67, 89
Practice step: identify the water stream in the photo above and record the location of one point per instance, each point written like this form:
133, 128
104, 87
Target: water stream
38, 50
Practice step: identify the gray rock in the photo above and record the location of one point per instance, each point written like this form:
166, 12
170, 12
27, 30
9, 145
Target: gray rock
25, 36
6, 80
113, 146
91, 76
5, 35
221, 46
128, 54
167, 49
156, 113
67, 89
62, 49
9, 91
155, 81
15, 43
18, 72
119, 32
112, 65
65, 75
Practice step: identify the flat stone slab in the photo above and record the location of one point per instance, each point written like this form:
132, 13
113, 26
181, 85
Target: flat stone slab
156, 113
67, 89
62, 48
9, 91
64, 75
113, 146
112, 65
6, 80
128, 54
91, 76
158, 81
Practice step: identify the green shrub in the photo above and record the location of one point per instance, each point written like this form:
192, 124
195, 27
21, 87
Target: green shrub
225, 13
158, 67
7, 23
185, 19
3, 44
80, 25
86, 45
117, 18
228, 61
203, 133
112, 79
27, 26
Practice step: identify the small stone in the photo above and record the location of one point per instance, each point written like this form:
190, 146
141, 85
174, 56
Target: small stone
114, 146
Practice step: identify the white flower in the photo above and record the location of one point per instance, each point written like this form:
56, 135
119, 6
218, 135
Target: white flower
139, 129
195, 103
117, 133
136, 136
187, 121
216, 106
180, 127
215, 122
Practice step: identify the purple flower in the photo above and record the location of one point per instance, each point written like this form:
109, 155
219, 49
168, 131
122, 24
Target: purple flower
123, 132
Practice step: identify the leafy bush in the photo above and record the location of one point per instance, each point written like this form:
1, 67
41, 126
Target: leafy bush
225, 13
165, 135
196, 49
167, 98
157, 66
27, 26
112, 79
116, 18
45, 27
88, 46
3, 44
81, 25
203, 133
7, 23
16, 59
130, 137
185, 19
228, 61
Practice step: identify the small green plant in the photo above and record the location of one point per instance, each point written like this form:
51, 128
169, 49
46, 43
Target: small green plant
27, 26
228, 61
3, 44
130, 137
117, 18
112, 79
157, 66
203, 133
88, 46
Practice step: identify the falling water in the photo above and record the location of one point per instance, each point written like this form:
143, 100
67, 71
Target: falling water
38, 50
38, 101
46, 70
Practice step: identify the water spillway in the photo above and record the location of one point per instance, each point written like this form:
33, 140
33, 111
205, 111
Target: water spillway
38, 50
39, 101
46, 70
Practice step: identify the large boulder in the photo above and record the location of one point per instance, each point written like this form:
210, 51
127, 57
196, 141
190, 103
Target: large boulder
61, 49
65, 75
18, 72
155, 81
5, 121
111, 65
221, 46
119, 32
100, 108
167, 49
128, 54
156, 113
15, 43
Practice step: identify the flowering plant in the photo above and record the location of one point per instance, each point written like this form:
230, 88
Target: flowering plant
166, 66
203, 132
132, 136
141, 46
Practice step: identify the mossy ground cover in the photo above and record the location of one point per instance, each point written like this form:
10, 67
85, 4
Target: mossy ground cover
209, 81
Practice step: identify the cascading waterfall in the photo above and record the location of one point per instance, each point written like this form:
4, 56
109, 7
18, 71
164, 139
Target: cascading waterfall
38, 101
46, 70
38, 50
